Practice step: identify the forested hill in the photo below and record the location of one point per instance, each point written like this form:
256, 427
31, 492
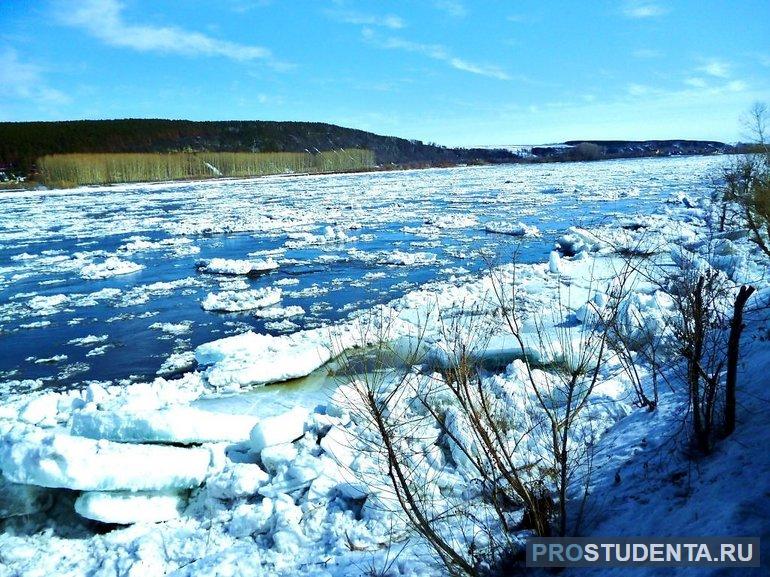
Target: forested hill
21, 143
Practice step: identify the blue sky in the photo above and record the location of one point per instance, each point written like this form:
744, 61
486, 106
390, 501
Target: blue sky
456, 72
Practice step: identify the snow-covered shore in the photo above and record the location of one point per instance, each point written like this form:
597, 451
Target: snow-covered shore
289, 490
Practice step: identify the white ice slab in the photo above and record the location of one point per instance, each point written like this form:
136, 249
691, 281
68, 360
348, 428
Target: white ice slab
171, 425
125, 508
512, 228
238, 267
255, 359
279, 429
35, 457
112, 266
236, 301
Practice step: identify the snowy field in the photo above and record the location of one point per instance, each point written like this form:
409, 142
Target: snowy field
229, 289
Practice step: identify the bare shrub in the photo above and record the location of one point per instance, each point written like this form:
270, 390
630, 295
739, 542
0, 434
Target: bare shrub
516, 443
707, 326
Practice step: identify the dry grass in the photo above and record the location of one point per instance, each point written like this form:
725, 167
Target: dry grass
67, 170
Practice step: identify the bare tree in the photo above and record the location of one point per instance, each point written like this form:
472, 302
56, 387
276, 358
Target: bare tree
748, 182
733, 354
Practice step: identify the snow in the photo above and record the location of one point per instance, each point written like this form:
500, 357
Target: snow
41, 410
280, 312
339, 444
330, 235
47, 305
237, 301
173, 328
577, 240
98, 351
35, 325
177, 362
554, 263
657, 491
236, 481
401, 258
50, 360
249, 519
179, 246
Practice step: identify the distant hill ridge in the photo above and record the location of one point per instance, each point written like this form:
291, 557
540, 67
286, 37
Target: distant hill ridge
21, 143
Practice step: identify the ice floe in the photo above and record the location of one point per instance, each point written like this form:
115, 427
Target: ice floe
112, 266
61, 460
512, 228
179, 425
237, 267
127, 507
237, 301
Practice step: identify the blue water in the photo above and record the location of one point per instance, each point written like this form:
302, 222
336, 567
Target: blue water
552, 197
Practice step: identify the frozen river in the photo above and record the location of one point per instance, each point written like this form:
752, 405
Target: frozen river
102, 284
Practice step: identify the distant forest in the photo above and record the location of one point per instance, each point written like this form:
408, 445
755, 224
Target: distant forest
23, 143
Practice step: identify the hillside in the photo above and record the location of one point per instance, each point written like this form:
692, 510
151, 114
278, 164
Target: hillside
22, 143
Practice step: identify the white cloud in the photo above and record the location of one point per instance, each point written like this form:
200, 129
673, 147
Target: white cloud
387, 21
737, 86
454, 8
638, 9
24, 81
716, 68
435, 52
718, 82
640, 89
696, 82
104, 20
